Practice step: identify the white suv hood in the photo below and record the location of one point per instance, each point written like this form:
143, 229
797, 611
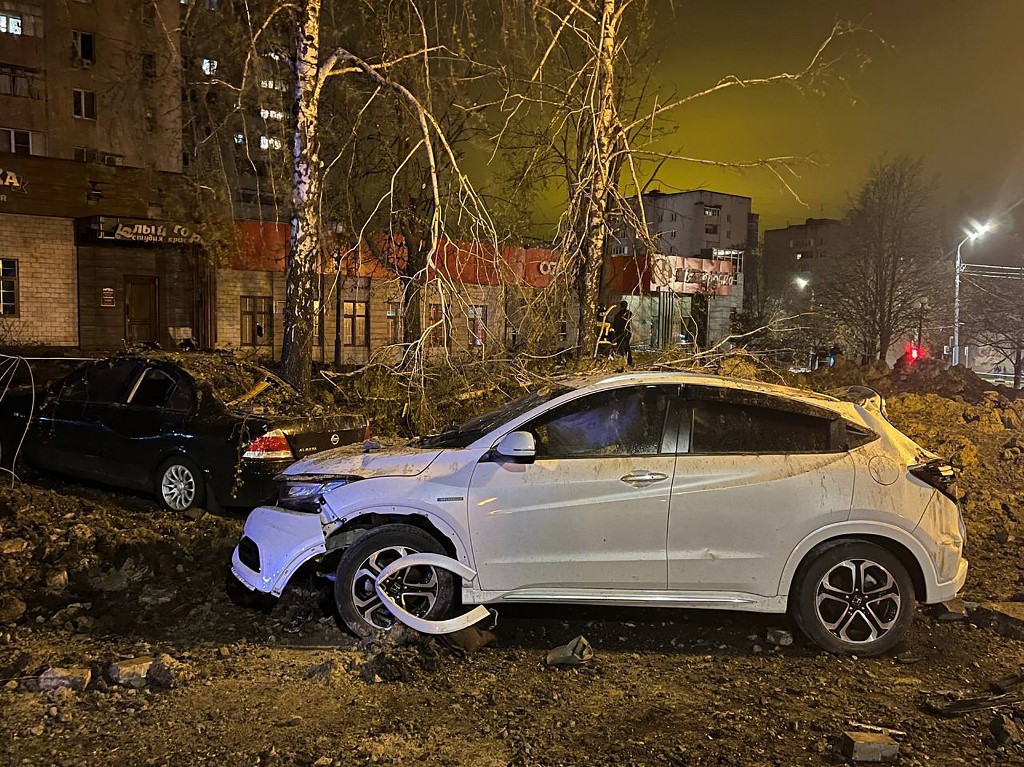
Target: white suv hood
402, 462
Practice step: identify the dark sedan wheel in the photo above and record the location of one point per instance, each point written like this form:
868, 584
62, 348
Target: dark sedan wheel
855, 598
427, 592
179, 484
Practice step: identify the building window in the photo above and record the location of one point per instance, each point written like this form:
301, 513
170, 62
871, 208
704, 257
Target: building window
355, 330
209, 67
22, 142
712, 212
19, 81
563, 332
84, 104
9, 287
477, 316
511, 334
148, 65
273, 85
710, 228
211, 5
257, 321
271, 114
83, 50
673, 216
671, 234
271, 142
10, 24
439, 333
148, 12
149, 119
394, 315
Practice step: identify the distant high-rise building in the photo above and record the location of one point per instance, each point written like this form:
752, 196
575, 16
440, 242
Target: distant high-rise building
793, 256
692, 282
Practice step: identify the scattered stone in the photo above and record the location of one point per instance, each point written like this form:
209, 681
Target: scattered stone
75, 678
13, 546
167, 673
779, 637
908, 658
323, 761
951, 610
574, 653
223, 652
11, 608
130, 673
1006, 731
869, 747
57, 581
470, 639
292, 721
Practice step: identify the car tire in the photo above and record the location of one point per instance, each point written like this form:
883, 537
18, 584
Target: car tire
179, 484
854, 598
428, 592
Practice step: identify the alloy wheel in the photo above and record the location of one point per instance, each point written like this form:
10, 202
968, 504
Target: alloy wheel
858, 601
178, 487
415, 588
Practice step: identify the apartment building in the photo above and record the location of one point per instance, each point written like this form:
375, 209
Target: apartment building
794, 255
687, 283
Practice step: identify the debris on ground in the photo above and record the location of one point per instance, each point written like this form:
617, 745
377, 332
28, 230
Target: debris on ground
130, 673
961, 706
950, 610
869, 747
1005, 618
167, 673
76, 679
1005, 730
574, 653
779, 637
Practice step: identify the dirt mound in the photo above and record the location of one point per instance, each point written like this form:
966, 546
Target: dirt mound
60, 550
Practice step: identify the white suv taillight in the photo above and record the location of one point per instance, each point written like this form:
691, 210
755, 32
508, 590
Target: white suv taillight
271, 446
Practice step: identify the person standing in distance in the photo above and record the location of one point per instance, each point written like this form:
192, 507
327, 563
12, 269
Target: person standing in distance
623, 331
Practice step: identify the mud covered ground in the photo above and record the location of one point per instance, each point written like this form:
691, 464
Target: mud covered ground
89, 577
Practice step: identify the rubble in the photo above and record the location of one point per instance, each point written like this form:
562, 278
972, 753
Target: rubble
869, 747
574, 653
75, 678
11, 608
130, 673
779, 637
1005, 730
950, 610
1006, 618
167, 673
13, 546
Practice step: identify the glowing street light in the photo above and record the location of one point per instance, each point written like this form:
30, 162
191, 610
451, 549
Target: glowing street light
972, 235
801, 282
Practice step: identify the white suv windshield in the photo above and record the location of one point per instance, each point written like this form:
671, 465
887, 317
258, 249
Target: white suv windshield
474, 428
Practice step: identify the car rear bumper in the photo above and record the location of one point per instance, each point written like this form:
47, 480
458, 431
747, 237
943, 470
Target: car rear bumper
275, 543
949, 589
253, 486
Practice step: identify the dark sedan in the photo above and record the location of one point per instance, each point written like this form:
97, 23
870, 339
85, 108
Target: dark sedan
192, 429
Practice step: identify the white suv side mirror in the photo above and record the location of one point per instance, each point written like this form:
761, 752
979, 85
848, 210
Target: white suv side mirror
517, 445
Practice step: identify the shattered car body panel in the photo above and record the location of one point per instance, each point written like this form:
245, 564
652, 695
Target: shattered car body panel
668, 489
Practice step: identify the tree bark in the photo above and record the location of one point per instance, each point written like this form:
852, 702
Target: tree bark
1018, 367
304, 248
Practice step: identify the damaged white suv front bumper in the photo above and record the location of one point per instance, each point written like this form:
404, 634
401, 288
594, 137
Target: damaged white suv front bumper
275, 543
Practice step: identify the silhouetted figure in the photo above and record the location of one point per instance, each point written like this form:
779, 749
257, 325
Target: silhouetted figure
623, 333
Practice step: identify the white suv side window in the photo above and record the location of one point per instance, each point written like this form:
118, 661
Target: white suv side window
627, 421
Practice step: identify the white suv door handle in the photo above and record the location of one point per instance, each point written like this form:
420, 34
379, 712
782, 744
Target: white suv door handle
644, 477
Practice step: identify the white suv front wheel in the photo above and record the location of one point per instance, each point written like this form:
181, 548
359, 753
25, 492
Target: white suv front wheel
427, 592
854, 598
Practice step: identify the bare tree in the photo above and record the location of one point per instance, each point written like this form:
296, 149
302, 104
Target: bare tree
994, 318
891, 258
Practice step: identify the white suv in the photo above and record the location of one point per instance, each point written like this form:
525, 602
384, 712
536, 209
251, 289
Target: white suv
661, 489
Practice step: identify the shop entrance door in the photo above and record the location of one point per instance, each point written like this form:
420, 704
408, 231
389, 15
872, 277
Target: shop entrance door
140, 309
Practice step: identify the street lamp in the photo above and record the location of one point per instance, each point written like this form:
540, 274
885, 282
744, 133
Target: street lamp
971, 236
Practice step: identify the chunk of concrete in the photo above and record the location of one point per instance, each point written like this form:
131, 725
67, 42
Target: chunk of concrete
1006, 618
951, 610
76, 679
869, 747
166, 672
130, 673
779, 637
1006, 731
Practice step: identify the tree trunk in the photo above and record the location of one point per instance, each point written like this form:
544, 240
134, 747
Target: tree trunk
1018, 367
304, 247
601, 182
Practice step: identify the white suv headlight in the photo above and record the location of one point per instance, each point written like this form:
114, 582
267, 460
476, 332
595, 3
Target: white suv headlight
304, 493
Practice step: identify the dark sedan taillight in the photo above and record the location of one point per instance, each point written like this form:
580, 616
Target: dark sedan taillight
939, 475
271, 446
